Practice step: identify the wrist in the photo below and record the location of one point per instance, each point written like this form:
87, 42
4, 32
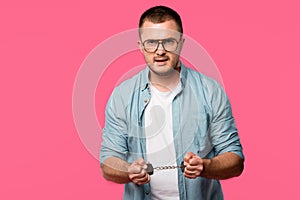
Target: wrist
206, 166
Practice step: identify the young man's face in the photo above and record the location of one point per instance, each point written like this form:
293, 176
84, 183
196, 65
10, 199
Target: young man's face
161, 45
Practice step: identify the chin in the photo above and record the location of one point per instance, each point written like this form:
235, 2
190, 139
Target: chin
163, 72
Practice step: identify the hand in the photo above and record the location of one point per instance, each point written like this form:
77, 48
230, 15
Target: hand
137, 172
193, 165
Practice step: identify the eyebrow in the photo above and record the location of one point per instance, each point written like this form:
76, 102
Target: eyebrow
161, 39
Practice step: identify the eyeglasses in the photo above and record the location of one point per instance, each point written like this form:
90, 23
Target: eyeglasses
169, 44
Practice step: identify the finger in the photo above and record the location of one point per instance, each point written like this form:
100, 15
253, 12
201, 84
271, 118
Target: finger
188, 156
141, 162
145, 179
134, 169
192, 174
137, 176
141, 180
195, 164
195, 160
194, 168
185, 164
137, 166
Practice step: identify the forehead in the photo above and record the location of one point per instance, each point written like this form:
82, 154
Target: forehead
162, 30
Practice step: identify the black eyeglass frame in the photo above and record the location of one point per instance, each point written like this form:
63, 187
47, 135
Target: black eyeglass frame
161, 41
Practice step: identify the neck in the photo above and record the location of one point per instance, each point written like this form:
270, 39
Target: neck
167, 82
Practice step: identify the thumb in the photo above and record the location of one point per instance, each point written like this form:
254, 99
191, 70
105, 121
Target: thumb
141, 162
134, 168
188, 156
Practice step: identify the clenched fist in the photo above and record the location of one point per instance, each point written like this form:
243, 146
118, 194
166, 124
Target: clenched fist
137, 172
193, 165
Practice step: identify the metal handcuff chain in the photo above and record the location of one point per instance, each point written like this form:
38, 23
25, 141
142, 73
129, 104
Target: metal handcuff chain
150, 169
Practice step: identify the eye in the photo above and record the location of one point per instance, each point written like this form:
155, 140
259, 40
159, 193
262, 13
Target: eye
150, 42
170, 41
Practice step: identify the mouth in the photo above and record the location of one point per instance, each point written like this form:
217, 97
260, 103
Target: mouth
161, 59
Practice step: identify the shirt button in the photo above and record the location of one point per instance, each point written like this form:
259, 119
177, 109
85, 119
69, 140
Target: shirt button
147, 192
145, 100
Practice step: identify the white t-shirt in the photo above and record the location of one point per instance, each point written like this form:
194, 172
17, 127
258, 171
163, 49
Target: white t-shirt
160, 148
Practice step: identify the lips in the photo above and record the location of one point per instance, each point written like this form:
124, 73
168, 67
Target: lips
161, 59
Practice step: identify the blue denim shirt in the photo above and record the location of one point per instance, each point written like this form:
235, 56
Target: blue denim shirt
202, 123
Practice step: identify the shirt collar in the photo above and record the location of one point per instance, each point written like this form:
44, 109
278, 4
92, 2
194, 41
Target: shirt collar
145, 77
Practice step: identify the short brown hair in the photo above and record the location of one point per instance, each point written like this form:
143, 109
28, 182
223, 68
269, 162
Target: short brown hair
159, 14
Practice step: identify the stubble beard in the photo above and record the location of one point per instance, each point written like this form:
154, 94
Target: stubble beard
165, 73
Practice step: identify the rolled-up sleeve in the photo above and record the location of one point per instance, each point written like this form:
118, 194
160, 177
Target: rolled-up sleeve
223, 131
114, 136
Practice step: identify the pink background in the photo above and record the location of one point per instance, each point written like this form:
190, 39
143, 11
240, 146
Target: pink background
42, 45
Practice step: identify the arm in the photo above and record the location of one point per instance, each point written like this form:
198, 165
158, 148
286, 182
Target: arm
117, 170
229, 159
223, 166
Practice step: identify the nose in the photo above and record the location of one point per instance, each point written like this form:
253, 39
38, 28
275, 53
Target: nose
160, 49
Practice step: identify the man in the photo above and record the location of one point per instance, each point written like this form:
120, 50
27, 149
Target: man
165, 115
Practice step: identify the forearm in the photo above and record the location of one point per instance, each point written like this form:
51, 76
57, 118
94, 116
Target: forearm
224, 166
115, 169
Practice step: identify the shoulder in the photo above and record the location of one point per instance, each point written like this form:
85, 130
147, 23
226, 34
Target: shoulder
127, 88
133, 83
201, 80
